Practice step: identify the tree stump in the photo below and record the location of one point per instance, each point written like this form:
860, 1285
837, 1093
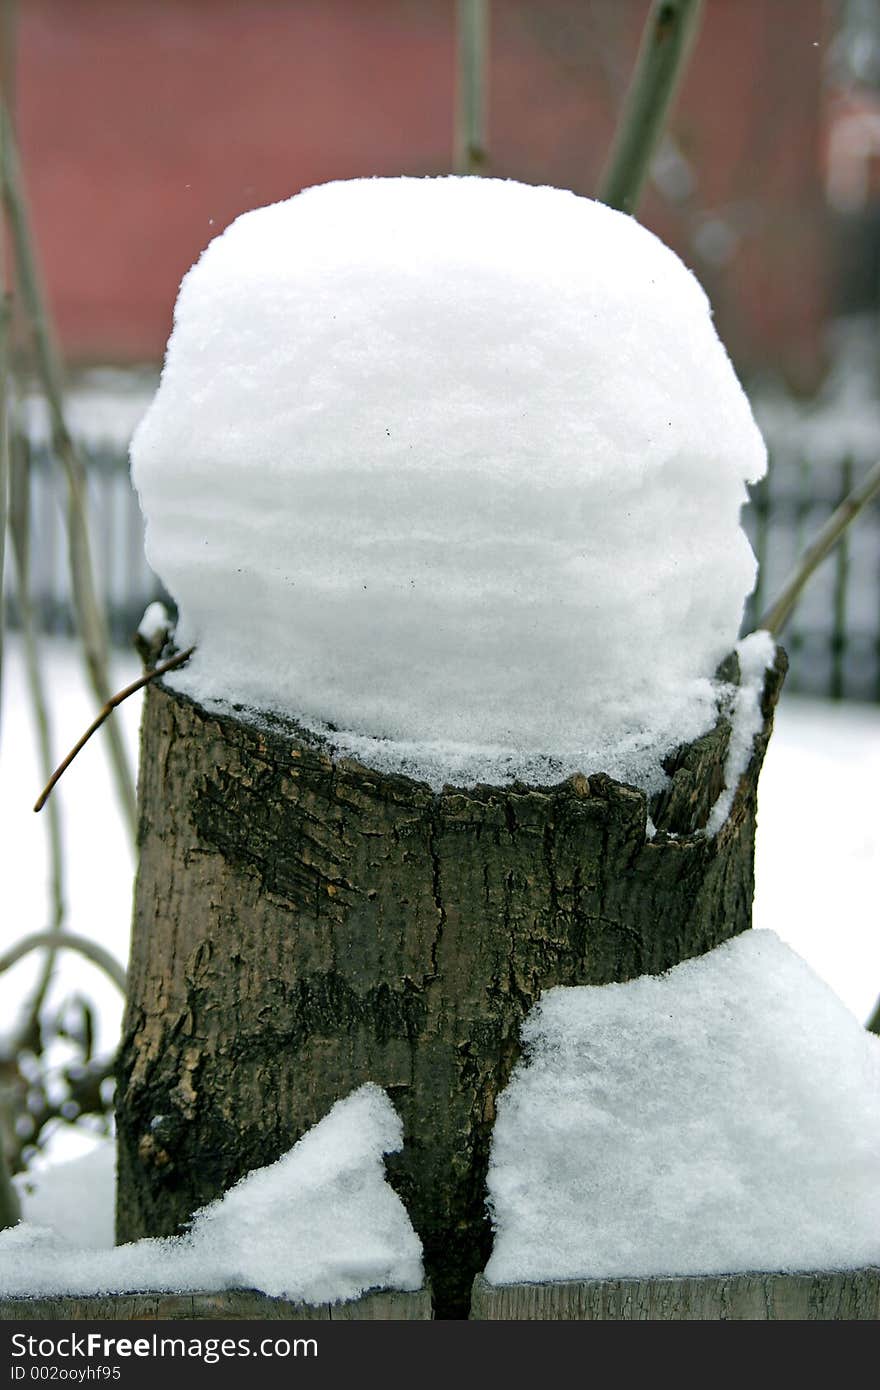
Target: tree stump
303, 925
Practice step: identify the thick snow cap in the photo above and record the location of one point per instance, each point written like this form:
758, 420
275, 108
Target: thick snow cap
455, 467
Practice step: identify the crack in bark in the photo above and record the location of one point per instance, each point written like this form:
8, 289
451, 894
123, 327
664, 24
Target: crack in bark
437, 893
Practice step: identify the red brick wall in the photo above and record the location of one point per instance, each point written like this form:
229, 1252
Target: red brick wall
147, 125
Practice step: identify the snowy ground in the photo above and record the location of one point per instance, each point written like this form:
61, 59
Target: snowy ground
818, 840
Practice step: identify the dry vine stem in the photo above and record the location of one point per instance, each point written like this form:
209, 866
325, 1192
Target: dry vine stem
87, 606
667, 39
472, 42
107, 710
777, 615
65, 941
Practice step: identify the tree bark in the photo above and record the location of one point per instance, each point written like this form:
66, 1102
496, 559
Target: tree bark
303, 925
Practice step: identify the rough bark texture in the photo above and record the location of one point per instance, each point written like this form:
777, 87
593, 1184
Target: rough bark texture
303, 925
211, 1307
848, 1295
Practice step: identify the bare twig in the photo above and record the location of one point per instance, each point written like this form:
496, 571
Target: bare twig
19, 516
107, 710
90, 618
65, 941
75, 1090
776, 616
471, 97
5, 326
668, 37
19, 533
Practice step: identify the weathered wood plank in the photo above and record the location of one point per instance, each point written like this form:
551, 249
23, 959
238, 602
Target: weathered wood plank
245, 1304
844, 1295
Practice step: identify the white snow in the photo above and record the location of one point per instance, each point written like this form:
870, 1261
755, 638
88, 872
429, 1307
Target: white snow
75, 1199
721, 1118
155, 622
321, 1224
817, 851
454, 467
756, 652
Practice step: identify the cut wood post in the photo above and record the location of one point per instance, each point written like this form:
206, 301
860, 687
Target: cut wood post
303, 925
842, 1295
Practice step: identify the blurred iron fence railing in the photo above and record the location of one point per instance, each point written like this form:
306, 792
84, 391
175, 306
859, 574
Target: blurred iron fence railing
116, 528
833, 639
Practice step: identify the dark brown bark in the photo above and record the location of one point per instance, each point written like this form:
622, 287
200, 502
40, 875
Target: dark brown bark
303, 925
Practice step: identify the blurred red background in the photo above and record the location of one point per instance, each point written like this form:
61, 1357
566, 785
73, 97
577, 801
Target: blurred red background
147, 125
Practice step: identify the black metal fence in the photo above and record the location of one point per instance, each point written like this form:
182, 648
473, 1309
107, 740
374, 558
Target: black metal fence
116, 531
833, 639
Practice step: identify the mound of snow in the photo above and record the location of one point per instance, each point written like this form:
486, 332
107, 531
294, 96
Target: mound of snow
320, 1225
720, 1118
75, 1199
454, 467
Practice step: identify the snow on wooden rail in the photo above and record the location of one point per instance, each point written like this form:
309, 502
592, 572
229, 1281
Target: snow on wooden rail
836, 1296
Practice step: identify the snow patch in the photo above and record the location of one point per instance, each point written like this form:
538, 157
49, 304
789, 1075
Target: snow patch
75, 1199
320, 1225
720, 1118
756, 653
155, 623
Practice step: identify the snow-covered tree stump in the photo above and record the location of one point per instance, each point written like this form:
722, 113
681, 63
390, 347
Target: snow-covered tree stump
303, 925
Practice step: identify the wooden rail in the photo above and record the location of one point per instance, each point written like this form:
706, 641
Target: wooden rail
244, 1304
836, 1296
843, 1296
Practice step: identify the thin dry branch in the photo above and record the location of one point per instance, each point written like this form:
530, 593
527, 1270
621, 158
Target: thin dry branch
5, 326
19, 531
471, 96
65, 941
109, 707
776, 616
667, 39
77, 1089
89, 614
39, 704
